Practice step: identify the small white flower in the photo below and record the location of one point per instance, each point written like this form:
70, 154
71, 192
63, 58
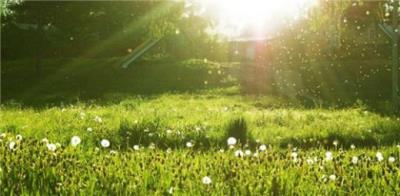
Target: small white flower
45, 141
52, 147
310, 161
231, 141
206, 180
335, 143
239, 153
263, 147
379, 156
75, 140
354, 160
3, 135
391, 159
89, 129
328, 156
221, 150
247, 152
255, 154
18, 137
169, 131
294, 155
105, 143
136, 147
98, 119
352, 146
332, 177
189, 144
11, 145
171, 190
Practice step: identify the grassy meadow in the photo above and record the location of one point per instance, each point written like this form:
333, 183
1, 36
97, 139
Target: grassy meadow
100, 130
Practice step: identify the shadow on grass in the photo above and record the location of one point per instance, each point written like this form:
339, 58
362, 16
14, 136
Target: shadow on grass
151, 133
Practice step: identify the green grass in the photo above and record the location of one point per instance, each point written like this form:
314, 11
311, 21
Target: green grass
169, 121
149, 116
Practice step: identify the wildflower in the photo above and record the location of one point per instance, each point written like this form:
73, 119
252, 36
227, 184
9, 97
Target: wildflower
206, 180
3, 135
379, 156
255, 154
391, 159
105, 143
310, 161
263, 147
98, 119
18, 137
221, 150
51, 147
189, 144
247, 152
75, 140
239, 153
354, 160
45, 141
231, 141
352, 146
136, 147
169, 131
332, 177
171, 190
328, 156
11, 145
294, 155
335, 143
89, 129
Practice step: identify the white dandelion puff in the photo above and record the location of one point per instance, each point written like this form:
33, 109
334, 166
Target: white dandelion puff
189, 144
75, 140
332, 177
328, 156
391, 159
231, 141
239, 153
11, 145
18, 137
354, 160
52, 147
263, 147
206, 180
105, 143
379, 156
136, 147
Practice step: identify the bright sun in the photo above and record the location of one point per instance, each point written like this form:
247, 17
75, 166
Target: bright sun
260, 16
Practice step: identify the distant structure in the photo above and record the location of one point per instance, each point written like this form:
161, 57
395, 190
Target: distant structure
249, 49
